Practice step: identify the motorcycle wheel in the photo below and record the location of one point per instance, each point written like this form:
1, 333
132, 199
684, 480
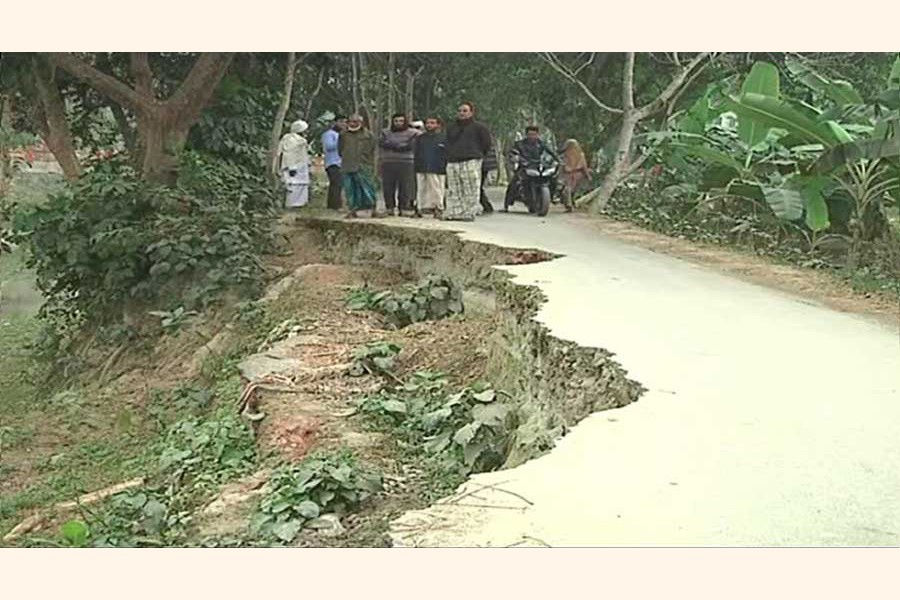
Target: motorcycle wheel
544, 202
531, 201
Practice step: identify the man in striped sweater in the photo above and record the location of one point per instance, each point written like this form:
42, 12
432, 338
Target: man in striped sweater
398, 176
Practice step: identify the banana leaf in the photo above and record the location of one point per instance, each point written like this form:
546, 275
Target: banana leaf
814, 202
708, 154
785, 202
763, 80
746, 189
841, 93
717, 177
853, 152
779, 113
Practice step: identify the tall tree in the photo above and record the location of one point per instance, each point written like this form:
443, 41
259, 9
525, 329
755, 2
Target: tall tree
162, 123
278, 124
50, 117
630, 113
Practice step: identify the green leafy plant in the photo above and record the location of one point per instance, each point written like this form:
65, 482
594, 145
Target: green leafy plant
375, 358
856, 159
151, 516
172, 321
110, 240
471, 427
282, 331
398, 406
471, 423
302, 493
74, 533
432, 298
207, 452
364, 299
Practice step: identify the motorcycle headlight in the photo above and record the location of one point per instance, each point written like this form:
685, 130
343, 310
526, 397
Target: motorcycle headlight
532, 172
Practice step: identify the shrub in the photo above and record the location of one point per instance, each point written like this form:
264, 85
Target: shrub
110, 240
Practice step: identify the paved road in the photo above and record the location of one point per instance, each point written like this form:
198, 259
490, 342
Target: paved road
768, 421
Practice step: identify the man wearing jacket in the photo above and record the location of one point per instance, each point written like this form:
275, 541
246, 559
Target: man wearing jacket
398, 176
532, 148
468, 141
431, 167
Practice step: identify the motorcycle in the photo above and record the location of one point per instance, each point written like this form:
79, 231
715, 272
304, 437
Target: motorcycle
537, 180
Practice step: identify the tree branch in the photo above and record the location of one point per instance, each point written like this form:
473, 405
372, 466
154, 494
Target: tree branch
100, 81
628, 82
143, 76
561, 68
586, 63
674, 86
315, 93
199, 86
58, 136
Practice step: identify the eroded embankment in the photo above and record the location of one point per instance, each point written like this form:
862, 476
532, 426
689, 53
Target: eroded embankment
556, 383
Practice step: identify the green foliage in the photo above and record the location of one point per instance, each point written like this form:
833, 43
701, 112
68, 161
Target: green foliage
172, 321
763, 80
374, 358
468, 431
237, 124
284, 330
841, 93
75, 533
206, 452
320, 484
795, 157
110, 240
434, 297
208, 176
183, 400
151, 516
194, 457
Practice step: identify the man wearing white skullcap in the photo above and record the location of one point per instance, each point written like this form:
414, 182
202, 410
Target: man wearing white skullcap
293, 162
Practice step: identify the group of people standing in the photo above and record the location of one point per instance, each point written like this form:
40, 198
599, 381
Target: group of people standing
423, 168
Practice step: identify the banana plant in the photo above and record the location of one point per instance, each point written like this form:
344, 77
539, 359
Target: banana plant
861, 160
797, 157
746, 159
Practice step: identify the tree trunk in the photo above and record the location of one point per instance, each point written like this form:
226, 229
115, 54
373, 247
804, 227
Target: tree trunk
162, 139
410, 87
6, 173
280, 114
391, 96
502, 166
129, 138
366, 110
620, 167
162, 126
429, 94
355, 75
630, 118
312, 97
55, 128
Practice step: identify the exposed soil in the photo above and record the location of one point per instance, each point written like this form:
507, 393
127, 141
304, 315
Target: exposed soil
309, 405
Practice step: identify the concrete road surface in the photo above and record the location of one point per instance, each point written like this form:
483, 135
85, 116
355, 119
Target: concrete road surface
769, 420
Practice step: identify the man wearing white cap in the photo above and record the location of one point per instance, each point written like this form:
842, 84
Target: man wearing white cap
293, 157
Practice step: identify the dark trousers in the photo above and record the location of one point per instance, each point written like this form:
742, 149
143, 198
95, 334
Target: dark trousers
485, 202
334, 187
398, 181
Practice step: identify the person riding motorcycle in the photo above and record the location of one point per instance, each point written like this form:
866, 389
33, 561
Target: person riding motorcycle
529, 149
